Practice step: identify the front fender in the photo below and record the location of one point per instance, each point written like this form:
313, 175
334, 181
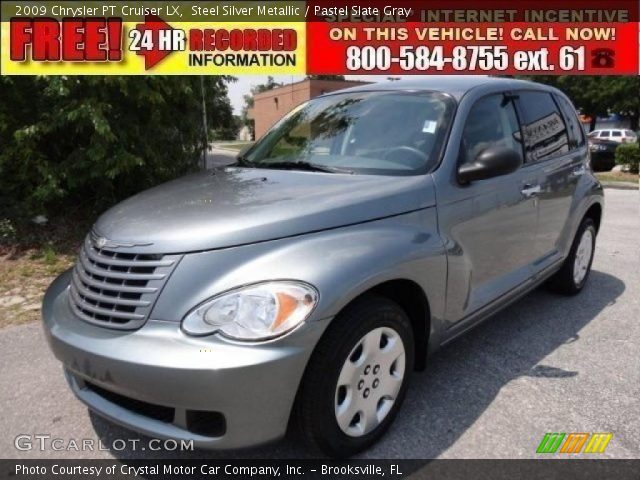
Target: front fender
341, 263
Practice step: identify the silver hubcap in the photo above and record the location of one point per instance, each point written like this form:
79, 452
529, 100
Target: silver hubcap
369, 381
583, 257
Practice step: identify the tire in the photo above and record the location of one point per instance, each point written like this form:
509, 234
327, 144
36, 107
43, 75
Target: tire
341, 356
567, 280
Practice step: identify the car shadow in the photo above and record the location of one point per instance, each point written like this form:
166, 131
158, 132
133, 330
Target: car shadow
460, 382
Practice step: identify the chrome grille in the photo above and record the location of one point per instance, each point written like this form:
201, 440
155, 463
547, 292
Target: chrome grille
117, 289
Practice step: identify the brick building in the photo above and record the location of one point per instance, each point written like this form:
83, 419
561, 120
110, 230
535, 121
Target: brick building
272, 105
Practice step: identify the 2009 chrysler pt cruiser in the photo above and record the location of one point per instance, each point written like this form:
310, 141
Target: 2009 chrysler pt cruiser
304, 283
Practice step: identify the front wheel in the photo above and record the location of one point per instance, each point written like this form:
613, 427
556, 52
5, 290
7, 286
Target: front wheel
572, 277
356, 378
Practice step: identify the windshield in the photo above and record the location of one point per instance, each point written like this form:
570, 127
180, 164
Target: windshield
387, 133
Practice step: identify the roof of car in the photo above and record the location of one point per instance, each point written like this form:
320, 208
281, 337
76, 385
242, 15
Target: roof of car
455, 85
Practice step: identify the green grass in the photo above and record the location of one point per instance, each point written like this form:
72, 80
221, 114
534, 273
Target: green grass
31, 256
24, 276
237, 146
49, 255
617, 177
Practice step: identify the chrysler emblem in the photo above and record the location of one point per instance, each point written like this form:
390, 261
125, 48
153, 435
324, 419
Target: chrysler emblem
101, 242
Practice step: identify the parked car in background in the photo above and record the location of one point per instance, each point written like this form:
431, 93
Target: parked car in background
615, 135
603, 153
365, 230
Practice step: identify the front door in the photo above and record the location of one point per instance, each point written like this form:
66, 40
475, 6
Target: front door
490, 225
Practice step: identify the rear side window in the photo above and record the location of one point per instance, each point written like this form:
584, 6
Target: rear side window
616, 133
574, 127
492, 122
545, 133
605, 134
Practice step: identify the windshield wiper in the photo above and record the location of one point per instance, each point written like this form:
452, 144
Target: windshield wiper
242, 161
302, 165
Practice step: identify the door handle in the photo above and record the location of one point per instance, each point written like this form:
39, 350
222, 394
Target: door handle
531, 191
579, 171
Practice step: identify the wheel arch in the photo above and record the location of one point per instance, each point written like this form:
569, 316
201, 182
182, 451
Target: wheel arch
413, 300
411, 297
594, 212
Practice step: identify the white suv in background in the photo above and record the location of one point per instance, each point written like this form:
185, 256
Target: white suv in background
618, 135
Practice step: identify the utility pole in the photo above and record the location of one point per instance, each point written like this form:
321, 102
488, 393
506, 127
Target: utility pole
204, 125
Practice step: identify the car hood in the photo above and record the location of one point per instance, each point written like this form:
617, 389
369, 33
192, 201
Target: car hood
236, 206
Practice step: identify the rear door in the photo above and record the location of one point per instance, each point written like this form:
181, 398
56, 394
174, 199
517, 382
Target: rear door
555, 147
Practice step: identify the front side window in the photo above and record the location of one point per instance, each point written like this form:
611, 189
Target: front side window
605, 134
492, 122
545, 133
388, 133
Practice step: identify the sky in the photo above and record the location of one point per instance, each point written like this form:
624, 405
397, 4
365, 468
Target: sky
243, 84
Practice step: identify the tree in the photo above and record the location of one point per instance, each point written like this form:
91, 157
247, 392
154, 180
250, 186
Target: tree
244, 114
624, 95
249, 102
94, 140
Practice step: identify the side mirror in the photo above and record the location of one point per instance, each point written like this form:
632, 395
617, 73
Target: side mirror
492, 162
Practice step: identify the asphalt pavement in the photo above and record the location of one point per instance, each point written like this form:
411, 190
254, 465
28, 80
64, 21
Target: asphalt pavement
546, 364
218, 157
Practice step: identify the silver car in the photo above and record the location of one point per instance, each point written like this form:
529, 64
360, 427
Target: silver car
616, 135
302, 285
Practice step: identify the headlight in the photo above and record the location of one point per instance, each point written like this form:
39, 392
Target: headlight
255, 312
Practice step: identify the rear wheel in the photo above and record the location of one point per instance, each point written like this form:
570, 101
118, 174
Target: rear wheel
573, 275
356, 378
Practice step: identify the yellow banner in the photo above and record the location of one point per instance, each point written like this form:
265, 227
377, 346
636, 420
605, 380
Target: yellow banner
37, 41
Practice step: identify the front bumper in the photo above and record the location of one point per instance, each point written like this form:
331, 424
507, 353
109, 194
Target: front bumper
163, 383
